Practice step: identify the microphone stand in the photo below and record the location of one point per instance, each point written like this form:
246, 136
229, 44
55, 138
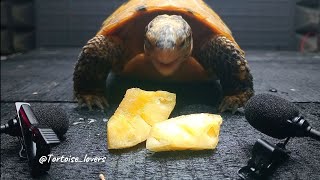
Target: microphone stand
265, 159
35, 139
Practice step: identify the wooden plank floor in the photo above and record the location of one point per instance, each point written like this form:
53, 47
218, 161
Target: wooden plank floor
45, 77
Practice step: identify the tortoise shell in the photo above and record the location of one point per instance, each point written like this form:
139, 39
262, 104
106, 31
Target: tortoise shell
128, 22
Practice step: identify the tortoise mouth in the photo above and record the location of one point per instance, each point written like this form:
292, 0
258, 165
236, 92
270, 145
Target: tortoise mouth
166, 68
167, 64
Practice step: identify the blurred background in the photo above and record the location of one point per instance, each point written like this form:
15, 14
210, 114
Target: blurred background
256, 24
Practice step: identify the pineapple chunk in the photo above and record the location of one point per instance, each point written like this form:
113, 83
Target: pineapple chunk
187, 132
137, 112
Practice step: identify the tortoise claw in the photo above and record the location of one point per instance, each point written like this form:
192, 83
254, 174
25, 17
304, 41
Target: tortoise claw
98, 103
232, 103
88, 102
93, 100
235, 109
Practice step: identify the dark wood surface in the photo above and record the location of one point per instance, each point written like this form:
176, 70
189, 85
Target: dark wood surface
45, 77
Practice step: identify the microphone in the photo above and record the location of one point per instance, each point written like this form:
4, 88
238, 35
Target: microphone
37, 131
277, 117
51, 116
54, 117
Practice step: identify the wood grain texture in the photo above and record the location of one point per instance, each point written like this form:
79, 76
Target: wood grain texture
46, 75
233, 151
49, 72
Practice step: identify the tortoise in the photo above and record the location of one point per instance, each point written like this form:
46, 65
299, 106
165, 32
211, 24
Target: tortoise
172, 40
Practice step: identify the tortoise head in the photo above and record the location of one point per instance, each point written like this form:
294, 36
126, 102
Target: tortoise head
168, 42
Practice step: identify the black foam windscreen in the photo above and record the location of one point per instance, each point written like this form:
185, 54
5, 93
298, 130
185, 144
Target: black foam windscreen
52, 116
269, 114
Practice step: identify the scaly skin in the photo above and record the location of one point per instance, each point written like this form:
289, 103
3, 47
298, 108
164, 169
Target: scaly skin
97, 58
222, 56
219, 54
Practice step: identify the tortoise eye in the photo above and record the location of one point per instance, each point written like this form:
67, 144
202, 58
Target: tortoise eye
184, 42
149, 26
147, 43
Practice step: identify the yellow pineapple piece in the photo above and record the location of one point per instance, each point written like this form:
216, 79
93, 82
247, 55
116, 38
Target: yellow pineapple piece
187, 132
137, 112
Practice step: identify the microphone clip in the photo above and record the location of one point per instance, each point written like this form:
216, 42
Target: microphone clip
35, 139
265, 158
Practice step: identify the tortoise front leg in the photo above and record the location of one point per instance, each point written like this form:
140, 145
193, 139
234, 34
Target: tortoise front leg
95, 61
224, 57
